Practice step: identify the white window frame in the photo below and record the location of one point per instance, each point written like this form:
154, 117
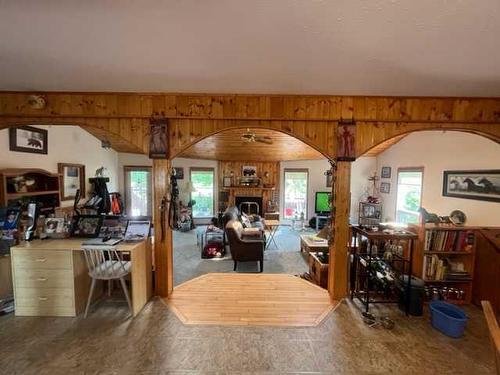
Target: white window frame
303, 170
408, 169
126, 185
214, 188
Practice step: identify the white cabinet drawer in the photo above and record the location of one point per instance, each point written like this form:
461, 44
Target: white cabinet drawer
44, 278
44, 297
42, 259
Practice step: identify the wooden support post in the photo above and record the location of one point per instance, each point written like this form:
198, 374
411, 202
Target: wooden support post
163, 247
338, 274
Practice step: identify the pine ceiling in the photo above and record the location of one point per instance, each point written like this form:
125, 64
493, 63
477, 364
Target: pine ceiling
228, 145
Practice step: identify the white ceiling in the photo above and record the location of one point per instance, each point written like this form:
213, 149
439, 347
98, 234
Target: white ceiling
364, 47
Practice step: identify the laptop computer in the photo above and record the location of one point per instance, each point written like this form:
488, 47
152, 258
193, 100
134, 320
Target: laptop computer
137, 230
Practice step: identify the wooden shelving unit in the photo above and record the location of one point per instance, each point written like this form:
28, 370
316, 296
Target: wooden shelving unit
446, 242
43, 188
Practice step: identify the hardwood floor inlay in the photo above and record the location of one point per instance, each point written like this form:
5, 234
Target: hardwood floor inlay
250, 299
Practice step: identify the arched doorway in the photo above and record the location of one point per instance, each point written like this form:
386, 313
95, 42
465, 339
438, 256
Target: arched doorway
286, 174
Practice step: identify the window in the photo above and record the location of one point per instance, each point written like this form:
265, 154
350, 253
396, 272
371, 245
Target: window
138, 191
409, 195
296, 181
203, 180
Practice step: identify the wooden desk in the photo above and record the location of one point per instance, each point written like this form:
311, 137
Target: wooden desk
51, 278
5, 277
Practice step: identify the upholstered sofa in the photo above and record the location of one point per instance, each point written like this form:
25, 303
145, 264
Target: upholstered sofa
244, 248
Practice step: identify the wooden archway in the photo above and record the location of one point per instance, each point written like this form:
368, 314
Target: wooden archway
373, 134
320, 135
125, 135
126, 116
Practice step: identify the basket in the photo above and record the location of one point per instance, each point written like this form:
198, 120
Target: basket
448, 318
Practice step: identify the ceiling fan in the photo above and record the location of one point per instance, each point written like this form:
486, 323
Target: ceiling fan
250, 137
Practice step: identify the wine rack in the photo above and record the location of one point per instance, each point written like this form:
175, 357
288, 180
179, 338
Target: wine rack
381, 263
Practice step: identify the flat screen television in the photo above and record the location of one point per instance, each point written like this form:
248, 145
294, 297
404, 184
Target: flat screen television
322, 203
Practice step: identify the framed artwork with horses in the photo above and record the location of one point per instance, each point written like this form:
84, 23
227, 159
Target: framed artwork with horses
483, 185
28, 139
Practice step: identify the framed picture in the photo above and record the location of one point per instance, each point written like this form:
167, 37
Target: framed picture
249, 171
227, 181
9, 221
72, 179
86, 225
329, 178
386, 172
179, 173
483, 185
158, 141
28, 139
385, 187
346, 140
54, 225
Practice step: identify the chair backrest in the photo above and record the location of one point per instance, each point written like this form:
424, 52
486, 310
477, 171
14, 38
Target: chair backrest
494, 331
104, 262
234, 230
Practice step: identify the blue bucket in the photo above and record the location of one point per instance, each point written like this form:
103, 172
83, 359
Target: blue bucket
448, 318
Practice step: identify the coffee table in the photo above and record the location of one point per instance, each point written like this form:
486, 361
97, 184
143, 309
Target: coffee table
307, 244
273, 226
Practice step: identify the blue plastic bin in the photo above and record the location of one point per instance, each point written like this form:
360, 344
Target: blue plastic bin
448, 318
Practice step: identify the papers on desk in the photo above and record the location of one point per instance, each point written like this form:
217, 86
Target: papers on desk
100, 242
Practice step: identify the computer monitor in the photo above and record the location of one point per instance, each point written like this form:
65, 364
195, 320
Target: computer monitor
322, 203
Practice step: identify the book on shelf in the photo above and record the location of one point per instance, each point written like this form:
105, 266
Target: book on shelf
448, 240
439, 269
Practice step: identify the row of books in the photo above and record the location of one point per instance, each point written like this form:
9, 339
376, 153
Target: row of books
436, 268
448, 240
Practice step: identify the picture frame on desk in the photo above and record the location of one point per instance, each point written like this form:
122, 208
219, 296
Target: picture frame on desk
86, 226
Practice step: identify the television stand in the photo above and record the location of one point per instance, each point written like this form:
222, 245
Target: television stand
323, 219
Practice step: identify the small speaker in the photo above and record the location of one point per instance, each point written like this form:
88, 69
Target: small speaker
32, 219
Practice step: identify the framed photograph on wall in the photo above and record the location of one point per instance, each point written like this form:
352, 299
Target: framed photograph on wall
179, 173
385, 187
329, 178
346, 140
249, 171
72, 178
158, 140
386, 172
482, 185
28, 139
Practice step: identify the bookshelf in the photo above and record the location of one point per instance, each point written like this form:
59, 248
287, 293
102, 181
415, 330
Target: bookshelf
444, 259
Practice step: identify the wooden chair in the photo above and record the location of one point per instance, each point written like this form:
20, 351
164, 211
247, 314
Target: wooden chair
494, 331
105, 263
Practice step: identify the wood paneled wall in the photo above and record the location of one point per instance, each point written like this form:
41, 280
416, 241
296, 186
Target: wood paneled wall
273, 168
256, 107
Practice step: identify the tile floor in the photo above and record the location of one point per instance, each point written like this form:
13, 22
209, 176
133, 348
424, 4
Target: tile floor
156, 342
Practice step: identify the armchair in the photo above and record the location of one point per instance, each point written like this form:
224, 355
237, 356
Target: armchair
244, 249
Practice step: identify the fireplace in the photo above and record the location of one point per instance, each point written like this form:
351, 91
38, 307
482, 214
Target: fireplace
249, 205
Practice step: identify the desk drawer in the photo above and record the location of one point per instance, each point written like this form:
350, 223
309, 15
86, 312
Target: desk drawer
44, 297
40, 278
42, 259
